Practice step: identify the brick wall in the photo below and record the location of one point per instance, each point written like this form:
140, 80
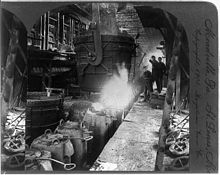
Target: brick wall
149, 37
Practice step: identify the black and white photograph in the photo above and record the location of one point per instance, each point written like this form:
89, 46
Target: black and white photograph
109, 87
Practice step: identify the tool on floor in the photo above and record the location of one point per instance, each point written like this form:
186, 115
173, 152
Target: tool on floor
66, 166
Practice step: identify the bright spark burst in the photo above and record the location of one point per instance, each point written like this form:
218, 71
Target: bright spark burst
98, 106
117, 93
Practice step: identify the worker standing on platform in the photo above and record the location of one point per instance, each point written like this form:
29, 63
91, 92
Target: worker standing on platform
161, 72
155, 77
148, 84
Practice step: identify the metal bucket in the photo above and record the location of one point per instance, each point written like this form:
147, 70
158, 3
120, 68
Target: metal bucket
59, 145
116, 49
42, 113
102, 128
79, 136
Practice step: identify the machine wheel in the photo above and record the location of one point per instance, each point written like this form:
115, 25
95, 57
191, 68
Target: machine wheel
180, 163
16, 161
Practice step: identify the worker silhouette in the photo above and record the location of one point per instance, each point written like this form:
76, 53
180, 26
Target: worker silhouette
161, 72
148, 84
155, 72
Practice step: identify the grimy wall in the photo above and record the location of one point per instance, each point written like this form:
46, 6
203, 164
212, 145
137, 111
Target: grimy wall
149, 38
148, 41
200, 22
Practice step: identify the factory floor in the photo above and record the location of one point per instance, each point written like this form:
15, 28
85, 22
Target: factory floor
134, 145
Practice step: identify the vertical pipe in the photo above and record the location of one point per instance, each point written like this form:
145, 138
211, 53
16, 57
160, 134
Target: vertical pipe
58, 28
47, 30
70, 32
97, 34
63, 19
61, 28
41, 32
44, 33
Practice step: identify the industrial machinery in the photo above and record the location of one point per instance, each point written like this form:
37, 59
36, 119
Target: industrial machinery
100, 51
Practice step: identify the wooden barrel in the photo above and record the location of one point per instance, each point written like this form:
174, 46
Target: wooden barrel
42, 113
102, 130
116, 49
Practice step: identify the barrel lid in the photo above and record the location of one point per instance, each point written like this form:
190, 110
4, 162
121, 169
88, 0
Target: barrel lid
40, 97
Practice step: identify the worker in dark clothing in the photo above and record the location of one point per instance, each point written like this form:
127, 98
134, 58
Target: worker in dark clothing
161, 72
148, 84
155, 76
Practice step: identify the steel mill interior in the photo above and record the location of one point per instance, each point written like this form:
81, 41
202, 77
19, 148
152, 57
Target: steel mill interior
93, 87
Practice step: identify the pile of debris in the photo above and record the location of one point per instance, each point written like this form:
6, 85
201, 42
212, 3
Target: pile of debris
63, 149
13, 141
75, 143
177, 140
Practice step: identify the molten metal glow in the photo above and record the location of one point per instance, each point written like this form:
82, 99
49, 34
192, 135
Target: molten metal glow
98, 106
117, 93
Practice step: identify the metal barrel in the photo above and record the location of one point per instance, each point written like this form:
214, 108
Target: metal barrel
102, 130
79, 137
42, 113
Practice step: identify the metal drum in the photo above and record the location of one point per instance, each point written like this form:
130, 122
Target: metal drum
60, 147
42, 113
101, 126
79, 136
93, 74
